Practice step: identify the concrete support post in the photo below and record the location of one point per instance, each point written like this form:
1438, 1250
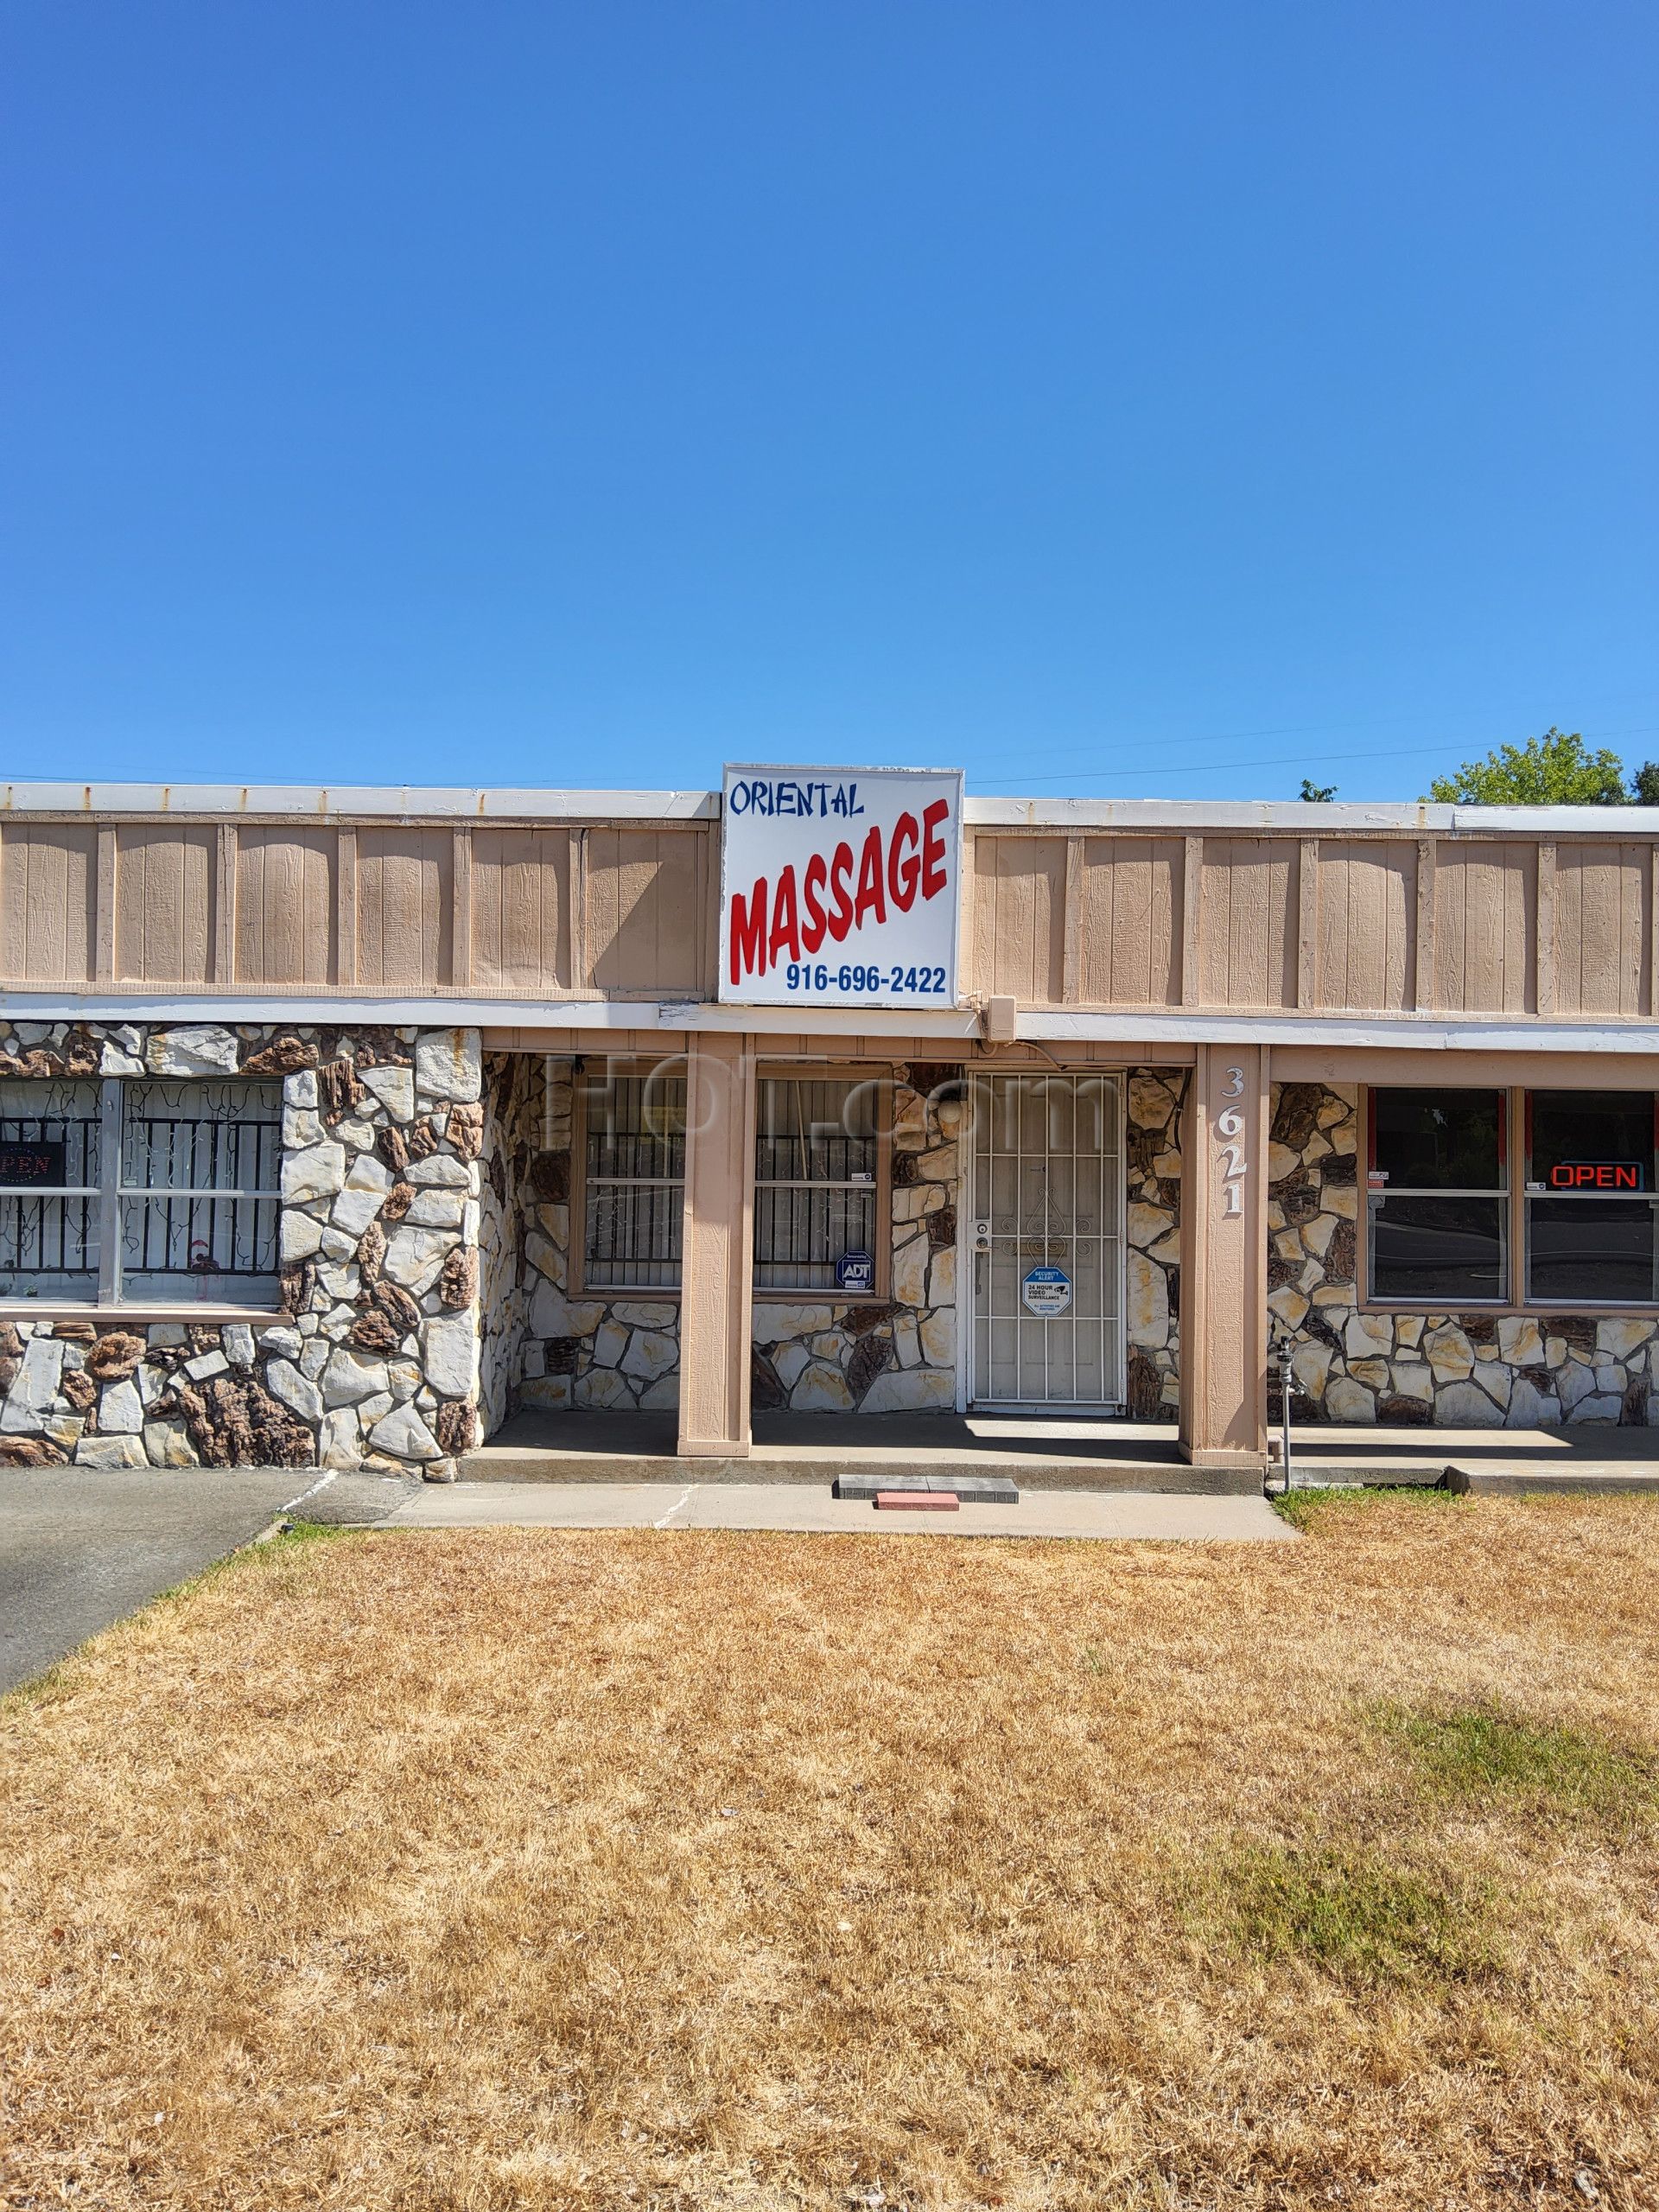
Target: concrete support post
1224, 1413
717, 1267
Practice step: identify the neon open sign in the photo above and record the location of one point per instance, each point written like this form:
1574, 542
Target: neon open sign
1598, 1175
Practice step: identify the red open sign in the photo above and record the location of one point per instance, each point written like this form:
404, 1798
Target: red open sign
1598, 1175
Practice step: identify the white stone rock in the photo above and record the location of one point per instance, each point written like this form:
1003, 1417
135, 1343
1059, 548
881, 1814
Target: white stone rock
362, 1196
1288, 1303
338, 1444
1465, 1405
1449, 1355
1373, 1373
938, 1334
282, 1343
414, 1257
300, 1088
773, 1324
316, 1357
404, 1435
1620, 1339
602, 1387
910, 1271
301, 1236
647, 1317
284, 1381
352, 1376
651, 1354
207, 1365
906, 1341
355, 1134
1604, 1410
1150, 1224
1494, 1379
662, 1396
124, 1450
166, 1444
302, 1128
1310, 1366
450, 1355
404, 1377
1520, 1340
1368, 1336
121, 1410
316, 1173
1531, 1408
436, 1210
447, 1064
1413, 1379
1150, 1105
34, 1387
941, 1278
238, 1340
822, 1389
938, 1166
113, 1061
203, 1050
610, 1341
394, 1088
1348, 1401
790, 1360
443, 1171
373, 1409
151, 1384
65, 1428
1148, 1303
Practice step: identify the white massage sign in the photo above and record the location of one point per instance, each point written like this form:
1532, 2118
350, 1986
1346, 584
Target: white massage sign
841, 887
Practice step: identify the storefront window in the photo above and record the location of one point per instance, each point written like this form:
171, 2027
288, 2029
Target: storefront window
1438, 1204
1590, 1181
817, 1154
634, 1192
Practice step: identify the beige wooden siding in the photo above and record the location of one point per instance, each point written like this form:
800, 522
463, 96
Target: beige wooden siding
164, 903
48, 886
1367, 907
644, 910
1603, 917
285, 907
1019, 918
521, 909
1485, 909
1247, 923
1131, 921
404, 899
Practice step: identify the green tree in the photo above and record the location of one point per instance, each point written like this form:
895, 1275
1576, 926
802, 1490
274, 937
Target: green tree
1554, 770
1317, 792
1644, 785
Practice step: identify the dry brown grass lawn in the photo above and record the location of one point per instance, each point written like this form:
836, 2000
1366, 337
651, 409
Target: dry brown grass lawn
742, 1872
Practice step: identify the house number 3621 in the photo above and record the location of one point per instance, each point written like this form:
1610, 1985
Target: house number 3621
1230, 1123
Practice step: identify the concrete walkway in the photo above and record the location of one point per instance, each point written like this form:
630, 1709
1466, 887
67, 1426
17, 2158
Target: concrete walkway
794, 1506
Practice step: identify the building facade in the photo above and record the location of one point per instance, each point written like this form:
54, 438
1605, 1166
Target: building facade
335, 1126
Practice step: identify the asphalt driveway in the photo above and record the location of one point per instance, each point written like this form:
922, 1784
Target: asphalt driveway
79, 1549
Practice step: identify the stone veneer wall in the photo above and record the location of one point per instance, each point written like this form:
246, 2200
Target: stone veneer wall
1466, 1369
372, 1360
1152, 1141
504, 1300
622, 1351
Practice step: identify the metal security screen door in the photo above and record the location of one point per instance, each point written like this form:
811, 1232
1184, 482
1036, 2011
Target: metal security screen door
1048, 1239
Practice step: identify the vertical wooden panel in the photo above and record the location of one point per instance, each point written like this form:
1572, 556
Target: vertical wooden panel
1485, 909
49, 885
224, 950
1020, 917
1307, 922
1130, 922
644, 891
1249, 926
165, 874
1071, 963
1544, 953
1601, 923
1367, 893
1192, 920
285, 896
521, 888
461, 910
1425, 983
404, 888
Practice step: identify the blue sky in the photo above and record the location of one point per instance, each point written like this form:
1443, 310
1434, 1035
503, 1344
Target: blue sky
1136, 401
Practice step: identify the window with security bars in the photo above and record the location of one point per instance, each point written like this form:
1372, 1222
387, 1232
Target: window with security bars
140, 1190
816, 1174
633, 1191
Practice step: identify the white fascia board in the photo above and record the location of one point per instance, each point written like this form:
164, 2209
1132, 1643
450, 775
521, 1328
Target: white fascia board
1407, 1033
352, 803
824, 1020
1194, 816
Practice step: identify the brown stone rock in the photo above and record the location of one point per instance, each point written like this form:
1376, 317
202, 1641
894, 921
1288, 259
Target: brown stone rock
1633, 1413
9, 1365
1281, 1272
1578, 1330
389, 1143
1297, 1115
423, 1138
338, 1091
399, 1198
464, 1130
399, 1308
941, 1228
456, 1426
234, 1422
550, 1176
859, 1321
458, 1279
497, 1172
1342, 1253
114, 1356
563, 1354
904, 1170
298, 1281
82, 1054
766, 1391
36, 1063
937, 1082
282, 1056
1338, 1171
76, 1333
381, 1047
372, 1253
1143, 1389
1408, 1413
30, 1451
866, 1360
11, 1344
78, 1389
373, 1331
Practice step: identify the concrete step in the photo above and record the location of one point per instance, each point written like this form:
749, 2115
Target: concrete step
972, 1489
1607, 1478
820, 1468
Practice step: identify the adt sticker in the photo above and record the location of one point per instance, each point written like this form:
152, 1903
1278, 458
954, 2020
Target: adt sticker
856, 1271
1047, 1292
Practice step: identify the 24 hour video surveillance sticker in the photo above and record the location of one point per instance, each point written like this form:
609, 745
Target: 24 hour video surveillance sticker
840, 887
